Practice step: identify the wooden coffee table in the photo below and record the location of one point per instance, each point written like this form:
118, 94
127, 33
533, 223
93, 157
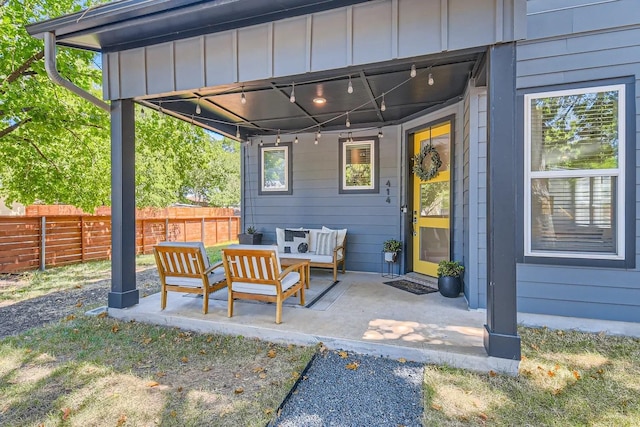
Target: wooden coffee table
306, 270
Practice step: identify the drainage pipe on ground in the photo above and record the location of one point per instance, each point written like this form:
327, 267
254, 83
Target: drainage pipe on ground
52, 71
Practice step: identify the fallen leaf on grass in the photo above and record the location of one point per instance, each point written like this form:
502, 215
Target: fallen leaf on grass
203, 352
209, 339
343, 354
436, 407
79, 304
70, 317
262, 375
353, 366
122, 420
180, 389
483, 416
551, 374
153, 384
295, 375
258, 369
239, 390
492, 373
268, 411
173, 414
271, 353
102, 315
576, 375
66, 412
402, 360
160, 374
147, 341
115, 328
184, 359
206, 369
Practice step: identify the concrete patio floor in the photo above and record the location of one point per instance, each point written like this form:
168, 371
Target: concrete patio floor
359, 314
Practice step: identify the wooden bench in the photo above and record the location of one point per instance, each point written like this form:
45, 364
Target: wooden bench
185, 267
256, 274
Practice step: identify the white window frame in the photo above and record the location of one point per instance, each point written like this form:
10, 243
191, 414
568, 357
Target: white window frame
618, 172
284, 148
343, 184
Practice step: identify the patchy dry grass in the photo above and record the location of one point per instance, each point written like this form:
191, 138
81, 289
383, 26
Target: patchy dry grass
566, 379
89, 371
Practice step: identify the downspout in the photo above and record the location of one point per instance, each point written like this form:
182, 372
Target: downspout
52, 71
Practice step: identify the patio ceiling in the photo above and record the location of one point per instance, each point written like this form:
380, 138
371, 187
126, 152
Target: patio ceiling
268, 109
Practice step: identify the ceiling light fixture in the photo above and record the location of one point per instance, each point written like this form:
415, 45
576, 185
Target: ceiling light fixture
413, 71
319, 100
292, 98
348, 122
383, 106
243, 98
350, 87
431, 81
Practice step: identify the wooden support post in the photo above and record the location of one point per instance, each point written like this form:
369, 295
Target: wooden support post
81, 238
43, 237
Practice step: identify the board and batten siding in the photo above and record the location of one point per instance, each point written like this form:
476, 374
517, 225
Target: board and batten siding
584, 41
474, 164
315, 201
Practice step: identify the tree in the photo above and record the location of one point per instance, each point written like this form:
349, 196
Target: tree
55, 146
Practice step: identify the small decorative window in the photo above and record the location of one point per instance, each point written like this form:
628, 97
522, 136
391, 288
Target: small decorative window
359, 165
575, 173
275, 169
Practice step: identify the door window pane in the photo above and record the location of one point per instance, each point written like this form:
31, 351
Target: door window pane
434, 244
434, 199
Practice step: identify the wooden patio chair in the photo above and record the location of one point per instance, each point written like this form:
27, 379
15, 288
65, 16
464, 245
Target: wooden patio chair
256, 274
185, 267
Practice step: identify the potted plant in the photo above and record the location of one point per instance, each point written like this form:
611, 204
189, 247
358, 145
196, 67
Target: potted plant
450, 278
251, 237
391, 248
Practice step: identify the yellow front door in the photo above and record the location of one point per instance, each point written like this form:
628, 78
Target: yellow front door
432, 202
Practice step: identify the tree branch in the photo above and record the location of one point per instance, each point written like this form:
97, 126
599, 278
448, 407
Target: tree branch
35, 147
24, 67
8, 130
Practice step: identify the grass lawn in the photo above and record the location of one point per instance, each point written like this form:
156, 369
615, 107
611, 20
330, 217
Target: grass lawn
97, 371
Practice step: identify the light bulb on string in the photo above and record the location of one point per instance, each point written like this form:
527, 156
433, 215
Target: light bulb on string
315, 141
278, 137
292, 98
318, 135
413, 71
349, 138
243, 98
350, 86
261, 143
431, 81
198, 109
348, 122
295, 141
380, 134
237, 131
383, 106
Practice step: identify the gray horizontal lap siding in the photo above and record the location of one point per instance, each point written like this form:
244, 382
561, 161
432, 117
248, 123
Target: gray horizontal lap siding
603, 293
315, 201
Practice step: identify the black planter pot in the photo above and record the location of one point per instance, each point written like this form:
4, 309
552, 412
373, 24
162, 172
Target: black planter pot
449, 287
250, 239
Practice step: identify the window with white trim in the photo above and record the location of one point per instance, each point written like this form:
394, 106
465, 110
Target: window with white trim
574, 173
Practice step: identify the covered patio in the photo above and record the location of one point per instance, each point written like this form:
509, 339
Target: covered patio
355, 315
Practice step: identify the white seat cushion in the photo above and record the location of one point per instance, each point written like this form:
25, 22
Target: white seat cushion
252, 288
217, 275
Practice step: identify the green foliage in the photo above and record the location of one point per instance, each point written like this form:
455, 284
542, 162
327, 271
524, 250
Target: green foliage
450, 269
251, 230
392, 245
55, 146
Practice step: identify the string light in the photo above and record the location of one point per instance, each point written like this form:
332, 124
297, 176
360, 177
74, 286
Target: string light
198, 109
243, 99
237, 131
261, 143
295, 141
350, 87
315, 141
278, 137
380, 135
413, 71
348, 122
383, 106
292, 98
349, 138
318, 135
431, 81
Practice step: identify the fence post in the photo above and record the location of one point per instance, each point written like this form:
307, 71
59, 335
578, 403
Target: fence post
43, 236
166, 229
202, 236
81, 238
185, 230
142, 227
229, 229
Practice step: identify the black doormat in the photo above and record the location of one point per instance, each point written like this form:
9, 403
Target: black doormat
413, 287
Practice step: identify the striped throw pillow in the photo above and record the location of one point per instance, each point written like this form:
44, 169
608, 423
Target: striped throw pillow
326, 243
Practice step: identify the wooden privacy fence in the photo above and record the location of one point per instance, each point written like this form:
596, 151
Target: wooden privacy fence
27, 243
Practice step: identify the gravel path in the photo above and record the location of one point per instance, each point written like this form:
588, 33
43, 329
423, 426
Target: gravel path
378, 392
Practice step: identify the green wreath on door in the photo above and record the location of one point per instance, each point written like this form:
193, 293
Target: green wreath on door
425, 174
